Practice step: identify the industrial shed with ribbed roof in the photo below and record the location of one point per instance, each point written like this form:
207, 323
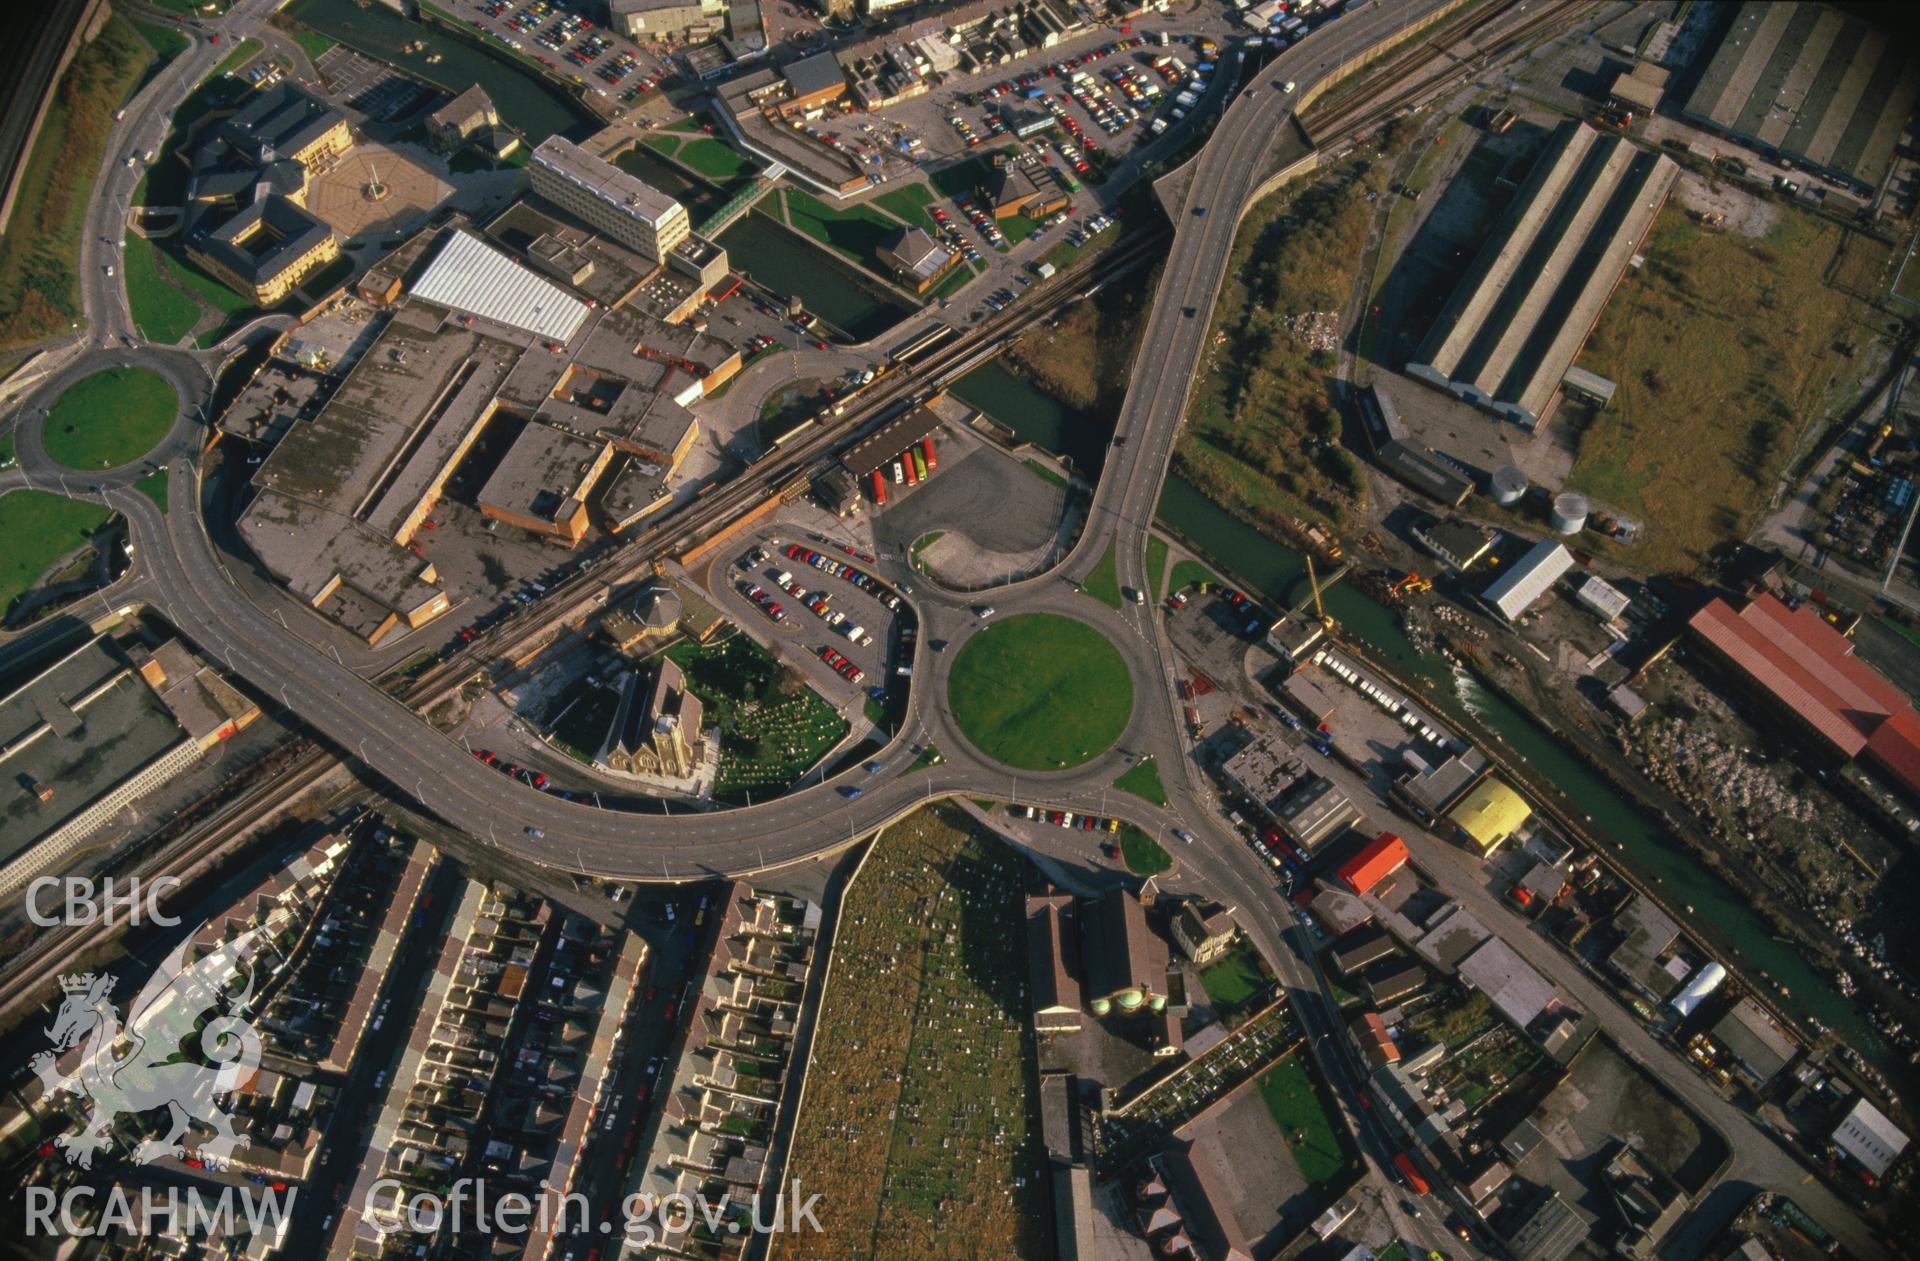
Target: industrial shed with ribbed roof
1810, 83
1517, 320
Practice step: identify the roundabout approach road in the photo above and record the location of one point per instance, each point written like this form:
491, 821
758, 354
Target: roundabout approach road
191, 589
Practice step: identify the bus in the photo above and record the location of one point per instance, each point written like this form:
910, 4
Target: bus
1410, 1174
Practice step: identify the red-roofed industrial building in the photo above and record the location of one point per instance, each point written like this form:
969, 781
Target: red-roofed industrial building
1383, 855
1807, 670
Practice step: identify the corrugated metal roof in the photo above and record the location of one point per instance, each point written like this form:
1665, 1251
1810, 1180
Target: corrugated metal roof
468, 275
1383, 856
1809, 667
1490, 813
1515, 591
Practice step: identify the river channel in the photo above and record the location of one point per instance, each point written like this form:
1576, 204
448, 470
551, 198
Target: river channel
1719, 914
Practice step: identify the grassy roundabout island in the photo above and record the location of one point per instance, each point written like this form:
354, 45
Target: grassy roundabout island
1040, 692
110, 418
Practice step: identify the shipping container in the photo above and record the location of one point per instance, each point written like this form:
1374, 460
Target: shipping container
933, 460
919, 463
906, 462
879, 489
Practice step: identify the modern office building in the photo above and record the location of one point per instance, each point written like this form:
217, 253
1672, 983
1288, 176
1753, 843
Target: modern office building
603, 196
246, 216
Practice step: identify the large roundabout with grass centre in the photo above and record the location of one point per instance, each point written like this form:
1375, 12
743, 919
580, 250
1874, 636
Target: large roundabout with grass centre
109, 419
1040, 692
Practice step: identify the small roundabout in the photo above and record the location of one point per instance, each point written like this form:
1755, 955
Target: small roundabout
1040, 692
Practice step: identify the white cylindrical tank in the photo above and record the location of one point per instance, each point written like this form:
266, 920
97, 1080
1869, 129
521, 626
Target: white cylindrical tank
1509, 484
1569, 513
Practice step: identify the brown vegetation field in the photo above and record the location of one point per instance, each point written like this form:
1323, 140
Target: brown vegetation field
919, 1127
1727, 351
1262, 438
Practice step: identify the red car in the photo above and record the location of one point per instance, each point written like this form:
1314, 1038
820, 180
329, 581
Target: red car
673, 1009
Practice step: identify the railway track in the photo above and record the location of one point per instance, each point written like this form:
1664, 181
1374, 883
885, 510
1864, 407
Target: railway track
1359, 110
585, 592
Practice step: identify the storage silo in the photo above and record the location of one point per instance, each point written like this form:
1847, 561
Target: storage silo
1509, 485
1569, 513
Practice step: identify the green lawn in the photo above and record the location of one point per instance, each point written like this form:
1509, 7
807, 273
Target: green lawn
1234, 979
110, 418
8, 454
154, 487
667, 145
164, 40
1156, 565
312, 42
1143, 855
243, 52
1143, 781
853, 231
1189, 573
929, 756
1103, 584
1040, 691
39, 529
1018, 228
161, 311
1050, 475
715, 159
1298, 1107
910, 203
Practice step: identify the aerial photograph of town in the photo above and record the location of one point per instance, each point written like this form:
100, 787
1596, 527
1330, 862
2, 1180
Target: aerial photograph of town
960, 630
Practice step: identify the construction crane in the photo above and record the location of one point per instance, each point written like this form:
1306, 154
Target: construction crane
1313, 580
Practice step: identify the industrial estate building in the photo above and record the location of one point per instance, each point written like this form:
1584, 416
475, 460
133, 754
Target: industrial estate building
1812, 84
1488, 815
246, 216
1808, 675
1515, 323
1531, 577
90, 734
661, 21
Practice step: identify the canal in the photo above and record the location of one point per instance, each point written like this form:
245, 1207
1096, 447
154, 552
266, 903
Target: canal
527, 102
1719, 914
782, 263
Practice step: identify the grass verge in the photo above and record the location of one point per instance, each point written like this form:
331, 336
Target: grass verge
39, 529
1103, 584
1143, 855
1143, 781
39, 256
154, 487
1156, 565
